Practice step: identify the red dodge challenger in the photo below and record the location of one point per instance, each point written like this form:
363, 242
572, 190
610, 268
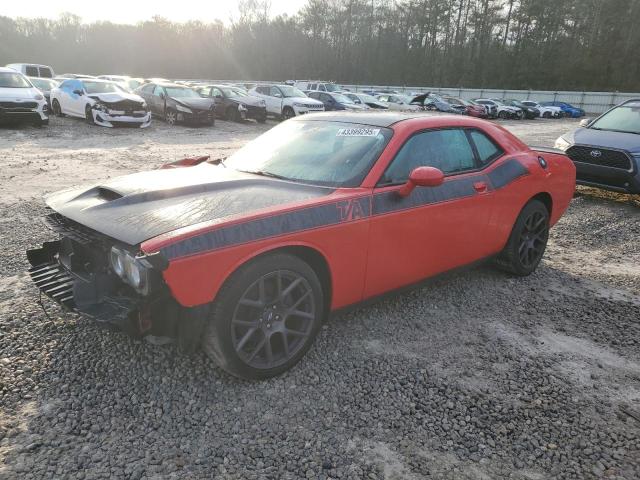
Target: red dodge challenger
245, 256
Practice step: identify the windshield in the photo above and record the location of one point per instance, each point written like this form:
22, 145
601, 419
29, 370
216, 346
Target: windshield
367, 98
515, 103
338, 97
181, 92
625, 118
133, 84
43, 83
332, 87
289, 92
13, 80
334, 154
101, 87
233, 92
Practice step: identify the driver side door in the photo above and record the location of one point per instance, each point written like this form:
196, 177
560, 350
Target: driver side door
433, 229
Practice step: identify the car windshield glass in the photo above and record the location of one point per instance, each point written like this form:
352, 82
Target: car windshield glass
181, 92
43, 83
13, 80
338, 97
233, 92
133, 84
515, 103
334, 154
332, 87
625, 118
101, 87
367, 98
292, 92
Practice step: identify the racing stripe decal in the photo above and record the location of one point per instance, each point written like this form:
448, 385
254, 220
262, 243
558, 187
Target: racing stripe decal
390, 201
279, 224
339, 212
506, 173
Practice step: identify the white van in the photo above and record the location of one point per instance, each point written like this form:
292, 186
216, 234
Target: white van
32, 69
316, 85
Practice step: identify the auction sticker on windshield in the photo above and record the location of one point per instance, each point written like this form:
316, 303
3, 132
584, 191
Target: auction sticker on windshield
358, 132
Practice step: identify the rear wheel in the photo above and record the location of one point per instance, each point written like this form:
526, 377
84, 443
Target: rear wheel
57, 111
265, 318
546, 114
528, 240
503, 115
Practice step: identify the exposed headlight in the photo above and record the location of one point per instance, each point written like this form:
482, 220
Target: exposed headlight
241, 107
562, 144
101, 106
128, 268
117, 261
132, 270
183, 109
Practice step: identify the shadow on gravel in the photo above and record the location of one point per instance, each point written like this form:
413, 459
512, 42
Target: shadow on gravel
475, 376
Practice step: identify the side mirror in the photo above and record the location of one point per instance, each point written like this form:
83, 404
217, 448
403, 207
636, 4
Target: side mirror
585, 122
422, 177
162, 95
78, 92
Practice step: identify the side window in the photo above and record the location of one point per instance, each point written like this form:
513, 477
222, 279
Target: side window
275, 92
448, 150
321, 87
31, 71
487, 150
262, 90
312, 86
158, 90
216, 92
325, 98
313, 95
204, 91
383, 98
46, 72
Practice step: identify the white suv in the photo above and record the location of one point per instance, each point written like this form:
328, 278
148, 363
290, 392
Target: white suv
20, 101
285, 101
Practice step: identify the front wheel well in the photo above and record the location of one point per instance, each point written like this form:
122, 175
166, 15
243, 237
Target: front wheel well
315, 260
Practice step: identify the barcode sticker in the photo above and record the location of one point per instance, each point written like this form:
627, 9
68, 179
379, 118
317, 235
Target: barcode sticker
358, 132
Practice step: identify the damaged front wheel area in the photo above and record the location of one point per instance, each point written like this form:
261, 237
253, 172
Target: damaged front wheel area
88, 115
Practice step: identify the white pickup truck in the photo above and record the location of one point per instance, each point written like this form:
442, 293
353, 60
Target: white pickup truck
285, 101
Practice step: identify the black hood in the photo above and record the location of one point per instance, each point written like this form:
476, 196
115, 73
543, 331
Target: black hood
137, 207
196, 103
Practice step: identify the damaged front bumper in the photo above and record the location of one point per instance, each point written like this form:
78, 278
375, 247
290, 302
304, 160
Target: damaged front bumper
115, 118
74, 270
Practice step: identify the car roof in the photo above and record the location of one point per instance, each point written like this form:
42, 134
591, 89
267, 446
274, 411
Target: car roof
8, 70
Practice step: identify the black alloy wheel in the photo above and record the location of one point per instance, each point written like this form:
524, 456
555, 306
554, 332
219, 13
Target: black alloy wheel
265, 317
528, 240
273, 319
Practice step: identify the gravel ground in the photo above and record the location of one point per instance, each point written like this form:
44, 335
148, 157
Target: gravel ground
477, 375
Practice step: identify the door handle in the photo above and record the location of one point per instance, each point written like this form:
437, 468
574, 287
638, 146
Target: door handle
480, 187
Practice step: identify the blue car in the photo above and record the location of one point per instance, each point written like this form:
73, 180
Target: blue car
606, 151
568, 109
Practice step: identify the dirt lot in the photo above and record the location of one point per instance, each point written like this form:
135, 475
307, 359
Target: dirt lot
476, 376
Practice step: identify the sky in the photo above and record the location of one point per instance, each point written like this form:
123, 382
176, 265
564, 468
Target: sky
133, 11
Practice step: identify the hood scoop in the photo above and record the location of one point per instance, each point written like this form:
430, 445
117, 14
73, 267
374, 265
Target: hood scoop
107, 195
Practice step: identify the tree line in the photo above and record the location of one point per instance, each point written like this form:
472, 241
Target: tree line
513, 44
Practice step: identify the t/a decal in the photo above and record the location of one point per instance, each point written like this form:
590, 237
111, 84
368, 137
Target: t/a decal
350, 210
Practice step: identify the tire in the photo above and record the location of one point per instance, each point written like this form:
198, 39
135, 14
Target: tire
503, 115
171, 116
57, 111
288, 113
528, 240
546, 115
88, 115
262, 119
266, 346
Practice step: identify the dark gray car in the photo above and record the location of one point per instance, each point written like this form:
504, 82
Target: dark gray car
177, 103
606, 151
